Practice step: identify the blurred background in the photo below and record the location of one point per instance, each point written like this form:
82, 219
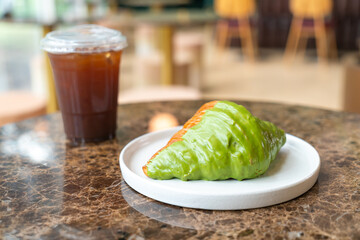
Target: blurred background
303, 52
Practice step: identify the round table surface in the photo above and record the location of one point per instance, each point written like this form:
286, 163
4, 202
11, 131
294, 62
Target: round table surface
50, 190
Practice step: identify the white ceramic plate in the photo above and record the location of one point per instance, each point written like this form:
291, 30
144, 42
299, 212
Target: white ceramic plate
293, 172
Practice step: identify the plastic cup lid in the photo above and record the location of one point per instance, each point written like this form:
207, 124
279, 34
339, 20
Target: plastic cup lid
87, 38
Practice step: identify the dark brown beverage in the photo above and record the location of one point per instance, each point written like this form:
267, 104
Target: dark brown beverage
87, 91
85, 60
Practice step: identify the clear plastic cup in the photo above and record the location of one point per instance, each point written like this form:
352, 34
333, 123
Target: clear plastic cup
85, 61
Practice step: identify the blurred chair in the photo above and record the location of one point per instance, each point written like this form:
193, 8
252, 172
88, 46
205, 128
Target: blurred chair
235, 16
158, 93
191, 44
149, 69
351, 97
311, 18
18, 105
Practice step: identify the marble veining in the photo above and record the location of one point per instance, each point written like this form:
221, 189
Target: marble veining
49, 190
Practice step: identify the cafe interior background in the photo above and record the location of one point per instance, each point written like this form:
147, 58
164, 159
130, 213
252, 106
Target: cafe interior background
295, 52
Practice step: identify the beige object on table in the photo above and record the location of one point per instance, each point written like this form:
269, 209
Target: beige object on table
18, 105
316, 11
161, 121
158, 93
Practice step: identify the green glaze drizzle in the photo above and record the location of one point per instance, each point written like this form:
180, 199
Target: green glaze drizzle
228, 142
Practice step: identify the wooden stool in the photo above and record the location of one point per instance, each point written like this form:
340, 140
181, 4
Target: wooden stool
158, 93
16, 106
236, 20
310, 21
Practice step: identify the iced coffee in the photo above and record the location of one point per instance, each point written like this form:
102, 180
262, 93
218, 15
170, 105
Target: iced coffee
85, 61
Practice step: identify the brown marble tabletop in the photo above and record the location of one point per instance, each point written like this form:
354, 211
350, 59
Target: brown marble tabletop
49, 190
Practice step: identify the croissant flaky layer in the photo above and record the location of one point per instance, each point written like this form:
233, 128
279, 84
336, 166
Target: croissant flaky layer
222, 140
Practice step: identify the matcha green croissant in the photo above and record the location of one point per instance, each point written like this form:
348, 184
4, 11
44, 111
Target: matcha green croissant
222, 140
